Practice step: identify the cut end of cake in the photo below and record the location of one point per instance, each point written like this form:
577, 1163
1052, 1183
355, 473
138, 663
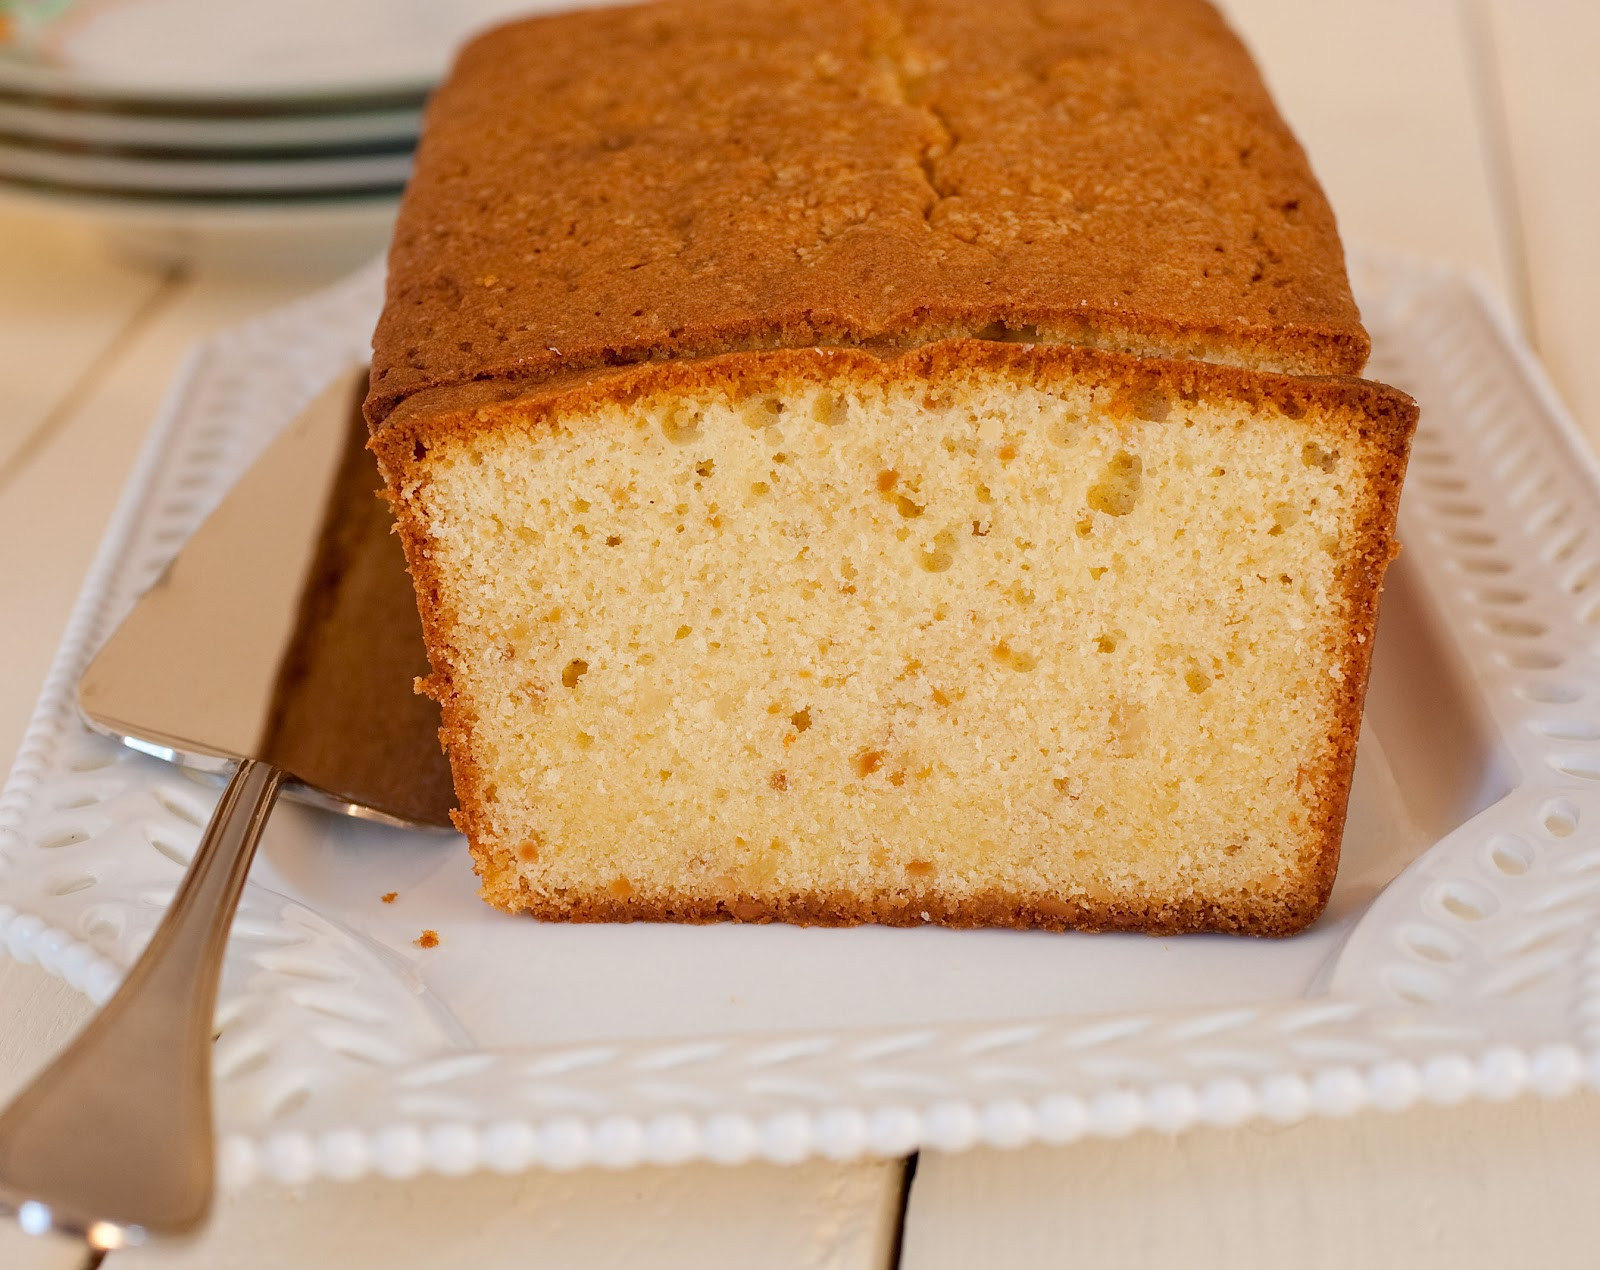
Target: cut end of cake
981, 634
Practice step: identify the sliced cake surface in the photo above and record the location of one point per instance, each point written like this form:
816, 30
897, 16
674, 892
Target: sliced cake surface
886, 462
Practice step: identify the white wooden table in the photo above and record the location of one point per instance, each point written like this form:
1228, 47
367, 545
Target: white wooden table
1467, 130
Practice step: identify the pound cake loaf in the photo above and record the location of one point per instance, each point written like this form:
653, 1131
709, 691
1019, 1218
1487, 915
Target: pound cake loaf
886, 461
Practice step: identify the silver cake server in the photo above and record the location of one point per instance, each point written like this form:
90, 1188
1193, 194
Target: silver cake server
281, 644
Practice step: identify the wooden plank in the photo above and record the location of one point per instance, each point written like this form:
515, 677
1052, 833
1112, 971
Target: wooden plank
1484, 1185
1381, 94
63, 303
1544, 76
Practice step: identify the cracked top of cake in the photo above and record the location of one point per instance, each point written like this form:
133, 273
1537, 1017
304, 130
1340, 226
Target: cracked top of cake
700, 176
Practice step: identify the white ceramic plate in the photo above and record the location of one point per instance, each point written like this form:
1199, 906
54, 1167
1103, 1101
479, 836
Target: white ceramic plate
50, 124
106, 173
237, 234
1456, 959
176, 52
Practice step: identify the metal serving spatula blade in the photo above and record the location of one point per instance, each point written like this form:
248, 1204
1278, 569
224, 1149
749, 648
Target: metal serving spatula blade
282, 643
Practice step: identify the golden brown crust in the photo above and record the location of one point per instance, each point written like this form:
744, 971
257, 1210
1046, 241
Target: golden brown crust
1378, 418
1270, 914
1368, 562
698, 176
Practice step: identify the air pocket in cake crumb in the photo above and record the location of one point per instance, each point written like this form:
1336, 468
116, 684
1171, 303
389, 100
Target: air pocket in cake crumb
1314, 455
1130, 724
1116, 493
902, 495
761, 412
574, 670
1005, 333
1013, 658
830, 409
940, 554
867, 761
1065, 429
681, 424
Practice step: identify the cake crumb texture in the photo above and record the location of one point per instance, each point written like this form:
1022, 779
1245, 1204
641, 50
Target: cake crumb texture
981, 635
694, 176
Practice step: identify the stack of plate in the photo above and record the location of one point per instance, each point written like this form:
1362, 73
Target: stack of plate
193, 128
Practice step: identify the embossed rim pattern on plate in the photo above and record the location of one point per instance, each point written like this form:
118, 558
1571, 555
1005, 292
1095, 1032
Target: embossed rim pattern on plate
1475, 973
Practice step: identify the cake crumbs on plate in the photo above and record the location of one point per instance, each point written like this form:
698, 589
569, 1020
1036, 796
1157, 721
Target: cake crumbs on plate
389, 897
428, 939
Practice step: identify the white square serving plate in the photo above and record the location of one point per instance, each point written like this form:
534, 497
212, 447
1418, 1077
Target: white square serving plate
1457, 958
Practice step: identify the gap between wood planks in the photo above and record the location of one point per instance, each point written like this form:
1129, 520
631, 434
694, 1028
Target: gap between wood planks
94, 374
1477, 26
908, 1176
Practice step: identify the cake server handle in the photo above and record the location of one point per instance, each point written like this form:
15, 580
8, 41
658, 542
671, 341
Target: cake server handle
113, 1142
